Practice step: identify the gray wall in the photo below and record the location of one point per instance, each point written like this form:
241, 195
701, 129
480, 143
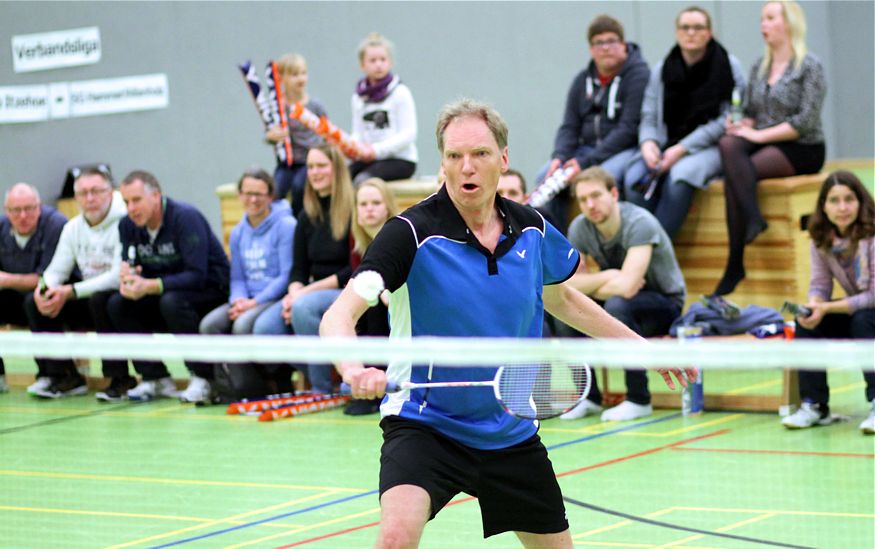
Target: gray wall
520, 56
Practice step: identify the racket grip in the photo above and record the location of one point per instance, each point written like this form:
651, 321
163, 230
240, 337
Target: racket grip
391, 387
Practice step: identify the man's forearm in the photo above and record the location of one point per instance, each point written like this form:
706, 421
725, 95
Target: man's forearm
19, 282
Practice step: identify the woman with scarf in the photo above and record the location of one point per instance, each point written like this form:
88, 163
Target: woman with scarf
383, 117
842, 230
780, 134
682, 119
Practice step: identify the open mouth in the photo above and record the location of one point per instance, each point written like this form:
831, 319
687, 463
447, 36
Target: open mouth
469, 187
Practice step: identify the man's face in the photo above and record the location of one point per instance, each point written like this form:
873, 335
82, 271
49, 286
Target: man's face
23, 209
94, 195
692, 32
608, 52
472, 163
596, 202
511, 188
144, 204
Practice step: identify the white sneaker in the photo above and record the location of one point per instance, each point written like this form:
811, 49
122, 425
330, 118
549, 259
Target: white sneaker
868, 425
148, 390
3, 386
198, 390
808, 415
584, 408
41, 385
626, 411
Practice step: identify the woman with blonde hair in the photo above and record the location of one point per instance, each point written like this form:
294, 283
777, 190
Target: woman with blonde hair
374, 205
321, 267
780, 134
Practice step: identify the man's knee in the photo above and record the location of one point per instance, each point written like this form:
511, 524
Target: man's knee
405, 511
619, 307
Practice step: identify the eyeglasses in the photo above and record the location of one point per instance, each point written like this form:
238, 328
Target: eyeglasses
609, 43
694, 28
84, 193
256, 196
18, 210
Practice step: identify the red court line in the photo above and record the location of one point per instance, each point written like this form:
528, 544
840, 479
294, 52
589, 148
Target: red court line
672, 446
777, 452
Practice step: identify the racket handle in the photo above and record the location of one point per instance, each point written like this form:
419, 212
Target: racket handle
391, 387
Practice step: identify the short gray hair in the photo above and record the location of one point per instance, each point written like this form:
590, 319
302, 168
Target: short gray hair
477, 109
27, 186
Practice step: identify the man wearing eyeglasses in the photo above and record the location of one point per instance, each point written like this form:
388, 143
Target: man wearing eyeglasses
602, 111
29, 233
84, 268
682, 119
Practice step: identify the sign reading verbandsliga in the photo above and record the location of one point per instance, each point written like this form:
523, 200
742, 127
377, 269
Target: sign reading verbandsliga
83, 98
52, 50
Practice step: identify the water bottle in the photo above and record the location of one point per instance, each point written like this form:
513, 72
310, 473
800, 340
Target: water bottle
43, 287
551, 186
736, 112
693, 395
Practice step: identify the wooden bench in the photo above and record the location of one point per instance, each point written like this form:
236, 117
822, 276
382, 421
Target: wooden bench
407, 192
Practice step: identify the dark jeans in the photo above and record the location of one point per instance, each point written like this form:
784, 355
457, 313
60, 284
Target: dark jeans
859, 325
670, 203
648, 314
74, 316
291, 178
176, 312
11, 312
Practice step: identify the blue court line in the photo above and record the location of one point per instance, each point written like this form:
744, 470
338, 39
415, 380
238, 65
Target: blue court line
374, 492
269, 519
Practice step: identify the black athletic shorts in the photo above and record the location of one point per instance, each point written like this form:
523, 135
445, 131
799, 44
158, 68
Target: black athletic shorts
516, 486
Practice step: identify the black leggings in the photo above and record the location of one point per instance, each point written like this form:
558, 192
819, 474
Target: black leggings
745, 163
390, 169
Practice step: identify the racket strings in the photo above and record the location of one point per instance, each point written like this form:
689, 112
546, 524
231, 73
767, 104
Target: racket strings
540, 391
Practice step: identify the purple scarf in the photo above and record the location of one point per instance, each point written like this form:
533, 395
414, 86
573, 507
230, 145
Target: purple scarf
375, 93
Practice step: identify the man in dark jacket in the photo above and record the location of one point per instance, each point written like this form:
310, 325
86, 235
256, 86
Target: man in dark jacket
29, 233
602, 111
174, 272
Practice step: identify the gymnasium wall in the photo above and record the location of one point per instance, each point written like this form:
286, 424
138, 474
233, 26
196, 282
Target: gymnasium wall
520, 56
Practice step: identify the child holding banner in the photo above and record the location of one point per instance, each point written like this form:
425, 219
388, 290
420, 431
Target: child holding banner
383, 116
293, 176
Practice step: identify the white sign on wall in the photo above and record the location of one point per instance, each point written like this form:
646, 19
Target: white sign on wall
52, 50
24, 104
83, 98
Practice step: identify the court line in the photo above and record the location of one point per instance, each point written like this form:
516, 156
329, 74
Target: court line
373, 492
776, 452
671, 526
230, 519
159, 480
256, 523
53, 421
726, 528
299, 529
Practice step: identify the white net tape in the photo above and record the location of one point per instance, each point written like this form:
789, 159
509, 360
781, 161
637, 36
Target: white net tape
704, 353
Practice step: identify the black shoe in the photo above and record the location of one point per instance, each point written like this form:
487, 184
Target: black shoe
362, 407
722, 306
63, 387
117, 390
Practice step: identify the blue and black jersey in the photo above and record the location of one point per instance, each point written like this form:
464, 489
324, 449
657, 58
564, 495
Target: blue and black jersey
445, 283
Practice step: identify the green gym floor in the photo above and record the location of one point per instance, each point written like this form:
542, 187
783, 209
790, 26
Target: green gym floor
78, 473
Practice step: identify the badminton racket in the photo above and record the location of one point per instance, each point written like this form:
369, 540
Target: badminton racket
528, 391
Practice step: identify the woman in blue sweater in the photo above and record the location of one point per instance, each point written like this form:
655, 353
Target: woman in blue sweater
261, 257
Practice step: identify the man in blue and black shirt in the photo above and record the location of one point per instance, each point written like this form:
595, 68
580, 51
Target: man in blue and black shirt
466, 262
